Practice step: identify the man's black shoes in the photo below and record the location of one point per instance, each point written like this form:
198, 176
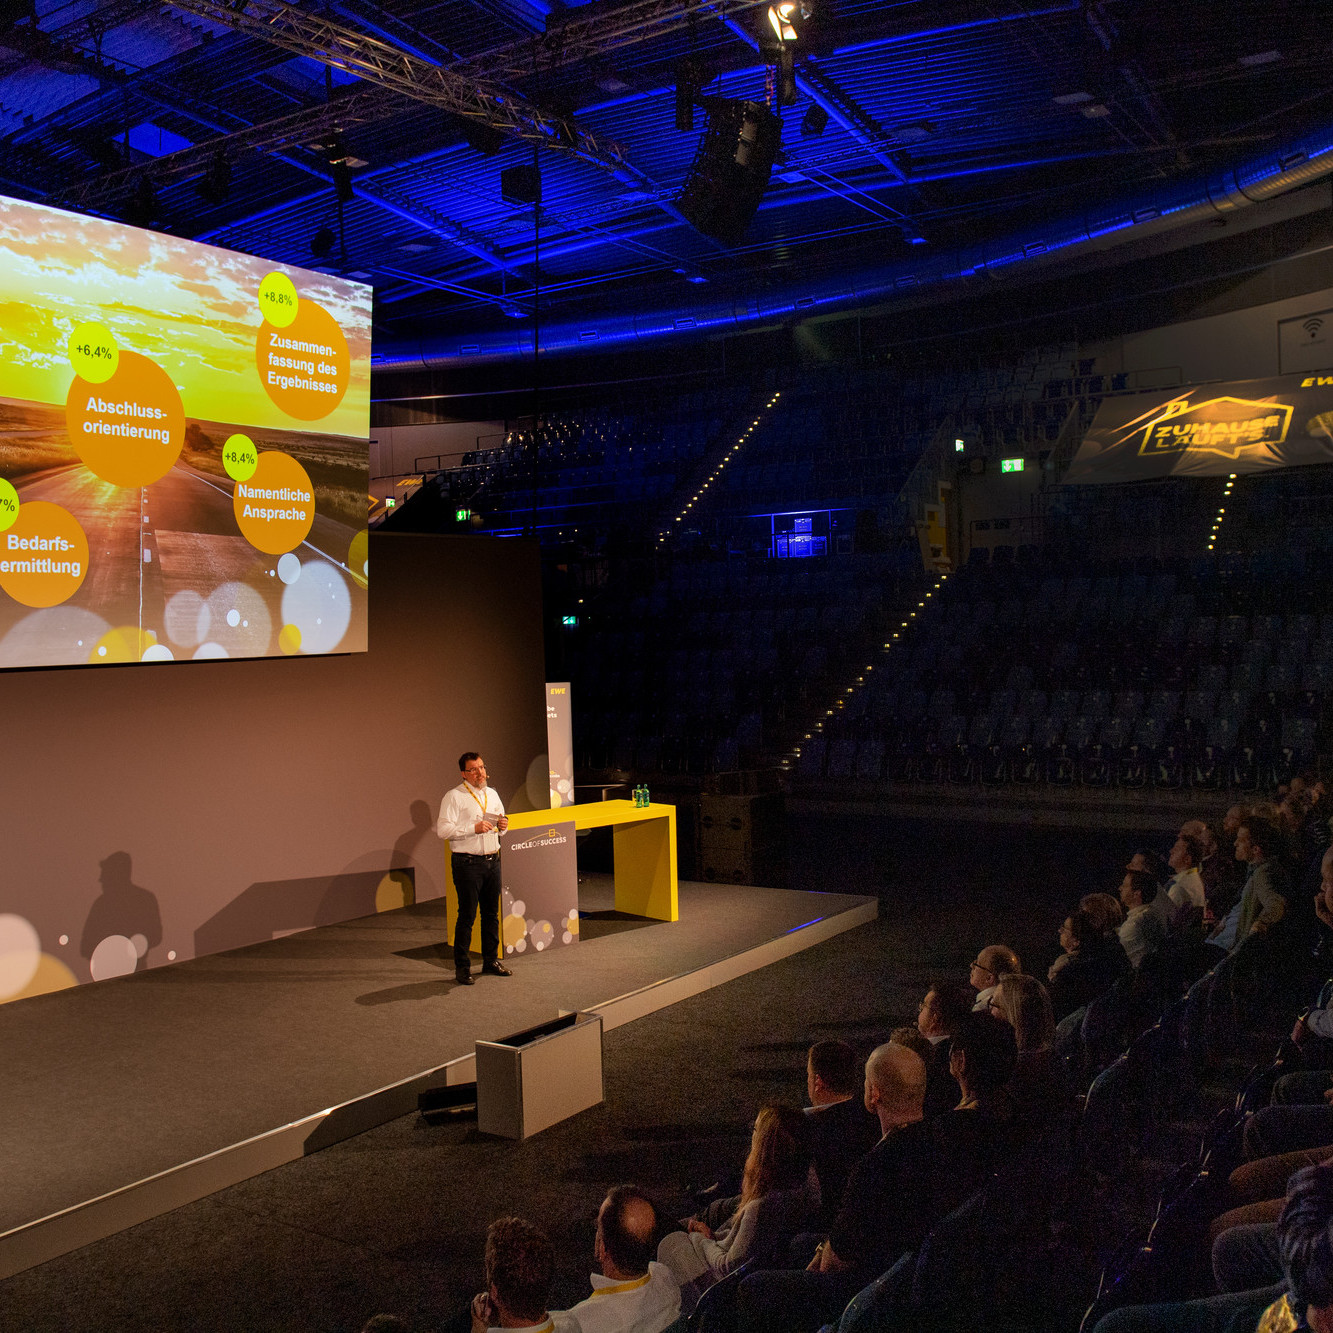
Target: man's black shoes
495, 970
464, 978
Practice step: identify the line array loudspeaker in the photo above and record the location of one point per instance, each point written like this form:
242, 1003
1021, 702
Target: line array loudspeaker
731, 168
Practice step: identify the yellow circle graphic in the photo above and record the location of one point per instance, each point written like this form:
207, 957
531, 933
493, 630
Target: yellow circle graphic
240, 457
9, 505
289, 639
275, 508
124, 643
358, 553
278, 300
93, 352
130, 429
45, 555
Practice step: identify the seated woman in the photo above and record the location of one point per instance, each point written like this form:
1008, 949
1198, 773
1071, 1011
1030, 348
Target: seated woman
777, 1200
1096, 962
1040, 1082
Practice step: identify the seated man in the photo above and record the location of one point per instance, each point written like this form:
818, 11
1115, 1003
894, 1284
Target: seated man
1303, 1298
1263, 900
633, 1293
520, 1264
1143, 931
1186, 887
895, 1193
992, 963
842, 1130
944, 1007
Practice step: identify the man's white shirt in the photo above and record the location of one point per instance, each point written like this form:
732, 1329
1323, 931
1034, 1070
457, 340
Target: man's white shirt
459, 812
645, 1304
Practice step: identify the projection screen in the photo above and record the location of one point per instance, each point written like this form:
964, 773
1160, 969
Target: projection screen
184, 455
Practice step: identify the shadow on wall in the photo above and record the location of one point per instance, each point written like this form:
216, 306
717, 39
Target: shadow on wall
124, 924
272, 908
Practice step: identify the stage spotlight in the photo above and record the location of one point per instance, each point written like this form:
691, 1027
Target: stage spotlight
782, 19
215, 184
521, 185
322, 242
814, 121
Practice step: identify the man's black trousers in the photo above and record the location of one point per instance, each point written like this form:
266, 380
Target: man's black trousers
477, 881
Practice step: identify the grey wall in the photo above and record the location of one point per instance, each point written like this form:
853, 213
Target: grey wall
1253, 343
254, 798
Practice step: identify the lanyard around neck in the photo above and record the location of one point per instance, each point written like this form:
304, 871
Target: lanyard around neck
482, 803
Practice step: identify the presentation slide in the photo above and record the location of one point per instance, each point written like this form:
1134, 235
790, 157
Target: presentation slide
184, 452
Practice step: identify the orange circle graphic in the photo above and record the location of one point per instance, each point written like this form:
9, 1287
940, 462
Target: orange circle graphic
276, 506
304, 367
43, 556
130, 429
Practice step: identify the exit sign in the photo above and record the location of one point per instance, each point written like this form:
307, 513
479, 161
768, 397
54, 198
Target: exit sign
1011, 465
462, 515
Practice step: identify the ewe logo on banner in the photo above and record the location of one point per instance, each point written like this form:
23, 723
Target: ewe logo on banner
1214, 430
539, 904
560, 743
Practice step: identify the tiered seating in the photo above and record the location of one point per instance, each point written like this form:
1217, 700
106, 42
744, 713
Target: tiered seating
700, 671
1211, 673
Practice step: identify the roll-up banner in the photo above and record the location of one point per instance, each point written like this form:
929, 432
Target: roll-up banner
560, 743
1210, 430
539, 906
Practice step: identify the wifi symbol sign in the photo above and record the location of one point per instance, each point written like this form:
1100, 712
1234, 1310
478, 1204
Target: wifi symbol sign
1312, 326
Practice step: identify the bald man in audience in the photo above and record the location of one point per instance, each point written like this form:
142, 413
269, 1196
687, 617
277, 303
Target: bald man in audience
993, 962
897, 1191
632, 1293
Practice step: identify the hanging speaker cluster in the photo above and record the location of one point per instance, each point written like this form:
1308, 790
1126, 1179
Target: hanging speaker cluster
731, 168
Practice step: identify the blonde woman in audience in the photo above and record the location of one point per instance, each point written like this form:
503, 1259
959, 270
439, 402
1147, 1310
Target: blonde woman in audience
776, 1200
1040, 1081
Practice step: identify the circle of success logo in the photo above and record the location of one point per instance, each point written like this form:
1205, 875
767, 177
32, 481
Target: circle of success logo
122, 412
301, 353
43, 555
275, 507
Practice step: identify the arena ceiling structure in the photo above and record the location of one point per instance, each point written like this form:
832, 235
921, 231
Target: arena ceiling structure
401, 143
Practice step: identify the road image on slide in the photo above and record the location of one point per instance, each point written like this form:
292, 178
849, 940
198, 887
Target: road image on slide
184, 460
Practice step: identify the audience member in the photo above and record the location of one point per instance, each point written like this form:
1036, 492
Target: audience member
520, 1265
1096, 963
1143, 931
1040, 1085
894, 1194
842, 1131
1262, 902
945, 1005
777, 1200
1186, 888
992, 963
632, 1292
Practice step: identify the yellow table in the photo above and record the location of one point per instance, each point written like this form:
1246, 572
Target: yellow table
645, 850
645, 856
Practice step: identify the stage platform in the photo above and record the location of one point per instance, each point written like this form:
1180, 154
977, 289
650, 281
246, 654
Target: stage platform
125, 1099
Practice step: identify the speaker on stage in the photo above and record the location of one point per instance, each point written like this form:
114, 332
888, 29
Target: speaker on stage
743, 839
731, 168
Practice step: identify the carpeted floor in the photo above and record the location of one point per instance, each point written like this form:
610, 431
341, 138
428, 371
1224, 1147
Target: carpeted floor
394, 1219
